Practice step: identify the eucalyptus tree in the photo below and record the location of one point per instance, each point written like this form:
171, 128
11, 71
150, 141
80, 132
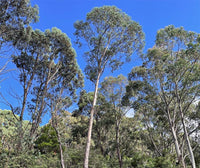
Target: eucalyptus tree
171, 70
31, 47
179, 81
47, 65
143, 98
111, 37
58, 73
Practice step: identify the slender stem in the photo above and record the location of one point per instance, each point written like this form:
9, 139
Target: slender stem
87, 150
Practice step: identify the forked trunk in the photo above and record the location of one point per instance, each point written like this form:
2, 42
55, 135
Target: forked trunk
176, 143
185, 131
177, 148
188, 141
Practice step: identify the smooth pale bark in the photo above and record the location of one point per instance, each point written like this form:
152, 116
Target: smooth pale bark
177, 148
54, 109
176, 143
187, 139
188, 144
185, 129
172, 127
62, 162
87, 150
61, 156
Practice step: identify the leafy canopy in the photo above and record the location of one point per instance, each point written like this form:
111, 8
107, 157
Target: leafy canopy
111, 36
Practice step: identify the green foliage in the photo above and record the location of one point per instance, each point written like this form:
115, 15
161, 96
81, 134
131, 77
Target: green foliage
164, 162
165, 88
48, 72
29, 160
75, 157
21, 8
98, 160
46, 161
47, 142
19, 15
140, 160
163, 92
113, 88
79, 130
7, 131
112, 38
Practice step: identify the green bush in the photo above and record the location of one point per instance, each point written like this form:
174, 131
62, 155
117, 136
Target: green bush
47, 142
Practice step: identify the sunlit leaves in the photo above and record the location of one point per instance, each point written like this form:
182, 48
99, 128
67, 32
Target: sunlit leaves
111, 36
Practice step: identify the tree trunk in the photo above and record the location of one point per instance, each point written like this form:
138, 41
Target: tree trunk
87, 150
61, 150
37, 120
25, 94
62, 162
177, 148
172, 127
185, 129
176, 143
118, 146
188, 141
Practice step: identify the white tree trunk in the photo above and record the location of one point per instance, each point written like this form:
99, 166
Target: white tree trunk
87, 150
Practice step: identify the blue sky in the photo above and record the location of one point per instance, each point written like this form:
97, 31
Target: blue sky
151, 15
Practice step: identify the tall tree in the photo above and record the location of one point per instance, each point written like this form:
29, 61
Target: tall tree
112, 37
15, 15
47, 65
171, 70
58, 73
